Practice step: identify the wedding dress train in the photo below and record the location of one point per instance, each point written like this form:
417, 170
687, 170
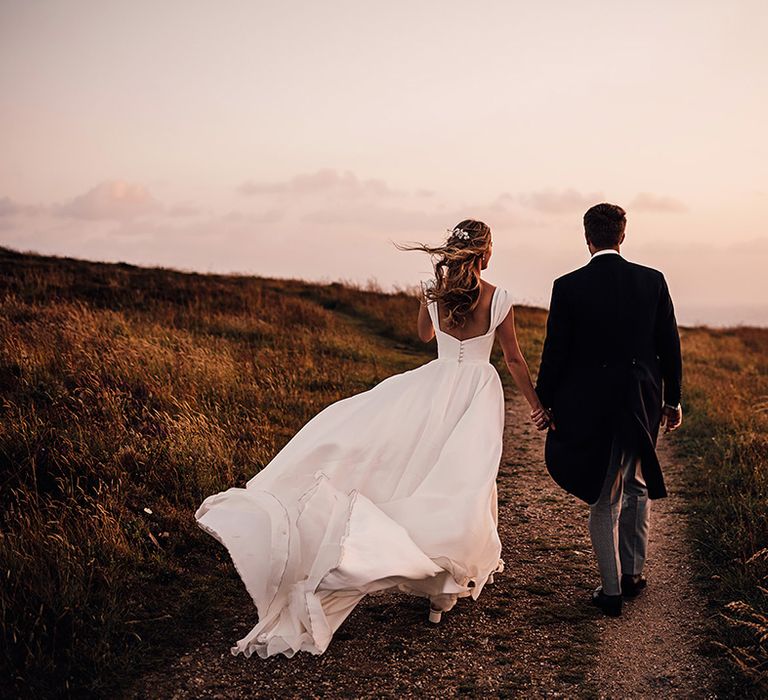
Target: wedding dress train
394, 487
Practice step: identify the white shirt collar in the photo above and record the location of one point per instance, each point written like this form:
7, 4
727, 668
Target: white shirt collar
606, 251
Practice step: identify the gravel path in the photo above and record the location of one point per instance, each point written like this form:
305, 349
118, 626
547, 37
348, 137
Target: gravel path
653, 650
530, 635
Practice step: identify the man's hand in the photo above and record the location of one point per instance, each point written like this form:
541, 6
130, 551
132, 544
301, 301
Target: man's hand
671, 418
542, 419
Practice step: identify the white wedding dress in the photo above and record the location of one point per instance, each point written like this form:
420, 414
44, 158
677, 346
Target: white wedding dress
394, 487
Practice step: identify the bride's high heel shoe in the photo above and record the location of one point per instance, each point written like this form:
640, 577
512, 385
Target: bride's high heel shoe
435, 615
499, 568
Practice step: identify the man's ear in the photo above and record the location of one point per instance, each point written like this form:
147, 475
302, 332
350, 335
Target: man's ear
622, 237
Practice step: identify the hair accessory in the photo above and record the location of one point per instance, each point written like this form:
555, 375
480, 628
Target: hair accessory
459, 233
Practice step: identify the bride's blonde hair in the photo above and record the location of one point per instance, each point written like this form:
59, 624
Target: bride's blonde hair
457, 274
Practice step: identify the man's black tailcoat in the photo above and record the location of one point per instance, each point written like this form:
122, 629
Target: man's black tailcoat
611, 341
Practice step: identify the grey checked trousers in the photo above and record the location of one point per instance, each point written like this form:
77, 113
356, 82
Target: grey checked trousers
619, 520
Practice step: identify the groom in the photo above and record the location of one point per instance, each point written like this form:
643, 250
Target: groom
610, 375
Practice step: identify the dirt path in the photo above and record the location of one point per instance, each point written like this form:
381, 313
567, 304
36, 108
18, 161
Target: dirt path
532, 634
663, 660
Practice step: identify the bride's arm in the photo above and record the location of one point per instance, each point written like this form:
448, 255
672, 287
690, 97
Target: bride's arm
424, 322
515, 361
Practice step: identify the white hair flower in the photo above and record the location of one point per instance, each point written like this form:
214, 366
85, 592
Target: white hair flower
459, 233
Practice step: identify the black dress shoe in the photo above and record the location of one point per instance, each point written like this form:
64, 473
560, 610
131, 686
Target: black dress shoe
632, 586
609, 604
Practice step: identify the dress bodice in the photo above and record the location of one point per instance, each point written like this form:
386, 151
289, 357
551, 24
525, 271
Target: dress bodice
477, 348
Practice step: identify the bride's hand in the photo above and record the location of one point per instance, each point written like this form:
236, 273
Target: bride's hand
542, 418
422, 293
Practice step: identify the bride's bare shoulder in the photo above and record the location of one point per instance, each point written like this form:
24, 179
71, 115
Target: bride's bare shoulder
487, 287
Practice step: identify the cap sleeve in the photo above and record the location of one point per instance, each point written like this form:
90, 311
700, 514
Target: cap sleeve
503, 305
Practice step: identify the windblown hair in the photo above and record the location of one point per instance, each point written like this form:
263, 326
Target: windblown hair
457, 273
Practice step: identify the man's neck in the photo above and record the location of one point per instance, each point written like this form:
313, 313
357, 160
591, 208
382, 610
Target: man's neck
607, 251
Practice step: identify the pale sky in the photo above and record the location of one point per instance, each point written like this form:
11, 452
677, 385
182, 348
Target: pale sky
299, 139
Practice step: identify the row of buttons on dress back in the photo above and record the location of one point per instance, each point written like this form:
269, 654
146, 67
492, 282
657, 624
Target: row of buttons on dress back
461, 351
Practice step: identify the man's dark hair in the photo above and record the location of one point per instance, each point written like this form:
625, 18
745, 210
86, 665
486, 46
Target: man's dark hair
604, 225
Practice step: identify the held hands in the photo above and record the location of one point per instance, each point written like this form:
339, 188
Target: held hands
542, 418
671, 418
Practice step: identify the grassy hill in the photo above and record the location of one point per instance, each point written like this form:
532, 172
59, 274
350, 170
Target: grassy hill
128, 395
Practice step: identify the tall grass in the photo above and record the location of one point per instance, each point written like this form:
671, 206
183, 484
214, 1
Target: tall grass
725, 439
126, 397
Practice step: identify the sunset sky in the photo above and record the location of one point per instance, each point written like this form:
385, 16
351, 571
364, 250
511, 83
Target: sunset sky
299, 139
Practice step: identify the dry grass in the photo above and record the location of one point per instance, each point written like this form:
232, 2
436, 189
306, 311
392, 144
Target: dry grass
127, 395
726, 441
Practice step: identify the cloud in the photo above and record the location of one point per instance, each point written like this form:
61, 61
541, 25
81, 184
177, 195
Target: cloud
113, 199
181, 210
377, 219
326, 181
645, 201
331, 236
374, 220
557, 201
9, 207
268, 216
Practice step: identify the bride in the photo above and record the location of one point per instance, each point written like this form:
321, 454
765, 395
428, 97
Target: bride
394, 487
